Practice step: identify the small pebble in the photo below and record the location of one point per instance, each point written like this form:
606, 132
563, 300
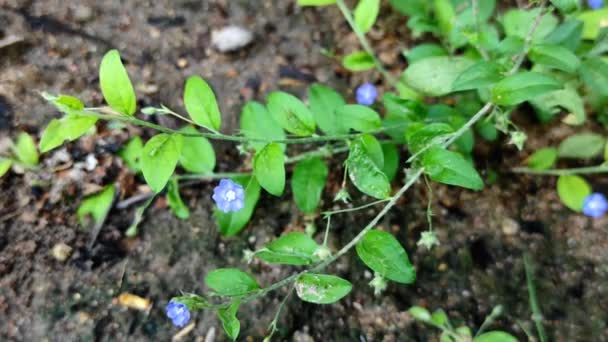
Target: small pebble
510, 226
61, 252
83, 13
231, 38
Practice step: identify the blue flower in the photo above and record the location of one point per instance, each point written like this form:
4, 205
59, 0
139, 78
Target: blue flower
595, 205
366, 94
178, 313
595, 4
229, 196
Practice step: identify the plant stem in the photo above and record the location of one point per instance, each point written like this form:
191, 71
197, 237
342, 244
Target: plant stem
537, 315
472, 121
364, 43
212, 176
528, 40
371, 204
563, 172
475, 7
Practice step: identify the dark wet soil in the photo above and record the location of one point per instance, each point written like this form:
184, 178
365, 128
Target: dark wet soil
483, 235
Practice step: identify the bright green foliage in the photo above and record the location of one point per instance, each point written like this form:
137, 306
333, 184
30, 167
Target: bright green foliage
445, 15
373, 148
201, 104
391, 160
543, 158
197, 154
291, 249
366, 13
159, 158
321, 288
434, 76
324, 102
131, 153
420, 313
583, 145
522, 87
572, 191
479, 75
25, 150
592, 21
357, 117
269, 168
5, 165
115, 84
97, 205
257, 123
231, 282
381, 252
175, 202
449, 167
421, 136
230, 322
358, 61
365, 174
308, 182
550, 103
233, 222
424, 50
517, 23
495, 336
290, 113
554, 56
69, 128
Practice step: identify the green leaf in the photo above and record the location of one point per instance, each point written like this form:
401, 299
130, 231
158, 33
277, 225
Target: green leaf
25, 150
568, 34
291, 249
391, 161
290, 113
594, 72
547, 105
373, 149
566, 6
321, 288
269, 168
421, 137
583, 145
517, 23
440, 318
449, 167
233, 222
358, 61
495, 336
179, 209
434, 76
424, 50
197, 154
572, 191
115, 84
193, 301
357, 117
159, 158
316, 2
478, 75
522, 87
131, 153
593, 21
445, 15
366, 13
381, 252
543, 158
420, 313
257, 123
69, 128
554, 56
411, 7
97, 205
231, 282
307, 183
231, 324
365, 174
324, 102
5, 165
201, 104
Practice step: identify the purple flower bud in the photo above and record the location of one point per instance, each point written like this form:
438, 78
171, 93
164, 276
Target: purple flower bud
229, 196
595, 4
178, 313
595, 205
366, 94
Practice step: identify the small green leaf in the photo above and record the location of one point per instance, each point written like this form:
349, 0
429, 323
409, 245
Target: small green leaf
269, 168
431, 134
593, 20
131, 153
424, 50
495, 336
554, 56
290, 113
201, 104
321, 288
566, 6
445, 15
517, 23
572, 191
420, 313
583, 145
316, 2
230, 322
381, 252
358, 61
373, 149
233, 222
366, 13
5, 165
159, 158
231, 282
115, 84
548, 104
568, 34
365, 174
594, 72
522, 87
434, 76
69, 102
69, 128
357, 117
543, 158
193, 301
25, 150
439, 318
308, 182
179, 209
449, 167
257, 123
391, 160
197, 154
97, 205
324, 102
478, 75
290, 249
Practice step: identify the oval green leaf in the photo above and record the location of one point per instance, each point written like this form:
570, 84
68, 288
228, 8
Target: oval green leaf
290, 113
201, 104
434, 76
358, 61
365, 174
321, 288
357, 117
451, 168
543, 158
583, 146
572, 191
159, 158
366, 13
478, 75
381, 252
554, 56
291, 249
231, 282
269, 168
115, 84
68, 128
197, 154
5, 165
307, 183
230, 322
495, 336
323, 103
257, 123
522, 87
25, 150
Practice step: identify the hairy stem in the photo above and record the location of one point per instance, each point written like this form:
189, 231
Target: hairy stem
528, 40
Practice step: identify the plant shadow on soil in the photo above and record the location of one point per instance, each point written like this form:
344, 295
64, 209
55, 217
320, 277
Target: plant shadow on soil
483, 235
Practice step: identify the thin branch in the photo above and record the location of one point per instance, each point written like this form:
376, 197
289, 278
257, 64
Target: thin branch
528, 40
537, 315
563, 172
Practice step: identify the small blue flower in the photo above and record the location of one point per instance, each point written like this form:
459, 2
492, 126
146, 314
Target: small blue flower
595, 205
178, 313
595, 4
366, 94
229, 196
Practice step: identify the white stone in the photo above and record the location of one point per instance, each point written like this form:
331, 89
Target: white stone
231, 38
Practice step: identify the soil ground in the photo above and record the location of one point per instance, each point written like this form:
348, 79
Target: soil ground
483, 235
